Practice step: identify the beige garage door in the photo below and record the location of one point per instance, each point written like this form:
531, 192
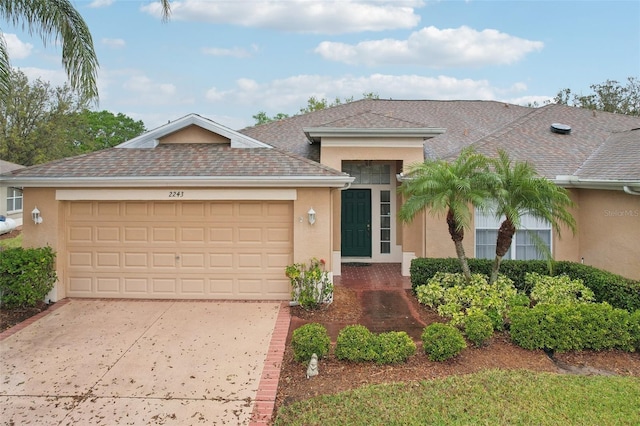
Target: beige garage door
184, 250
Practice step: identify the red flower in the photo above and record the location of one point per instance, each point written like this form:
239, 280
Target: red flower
322, 261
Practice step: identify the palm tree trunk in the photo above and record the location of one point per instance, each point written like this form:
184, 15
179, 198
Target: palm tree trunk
503, 242
457, 235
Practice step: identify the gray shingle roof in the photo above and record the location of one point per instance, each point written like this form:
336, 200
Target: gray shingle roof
6, 166
618, 158
523, 132
184, 160
466, 122
530, 138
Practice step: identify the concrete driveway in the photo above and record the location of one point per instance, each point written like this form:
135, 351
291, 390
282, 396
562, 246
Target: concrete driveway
137, 362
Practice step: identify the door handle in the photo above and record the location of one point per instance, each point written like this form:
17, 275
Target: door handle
369, 228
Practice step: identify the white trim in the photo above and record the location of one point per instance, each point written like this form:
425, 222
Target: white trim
175, 194
179, 181
571, 181
407, 257
369, 143
315, 134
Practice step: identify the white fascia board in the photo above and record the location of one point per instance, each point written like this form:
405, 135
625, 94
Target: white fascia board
570, 181
150, 138
314, 134
174, 181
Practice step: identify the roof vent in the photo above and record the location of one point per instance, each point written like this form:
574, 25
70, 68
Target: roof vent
562, 129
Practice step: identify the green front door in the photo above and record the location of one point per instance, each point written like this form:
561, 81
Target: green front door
356, 222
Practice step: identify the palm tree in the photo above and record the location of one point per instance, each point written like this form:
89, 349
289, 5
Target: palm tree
522, 191
57, 20
441, 186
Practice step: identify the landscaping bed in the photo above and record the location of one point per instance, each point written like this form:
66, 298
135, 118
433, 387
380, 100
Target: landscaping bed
337, 376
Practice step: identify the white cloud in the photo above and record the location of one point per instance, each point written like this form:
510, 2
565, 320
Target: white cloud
302, 16
100, 3
113, 43
234, 52
435, 48
16, 48
56, 77
290, 94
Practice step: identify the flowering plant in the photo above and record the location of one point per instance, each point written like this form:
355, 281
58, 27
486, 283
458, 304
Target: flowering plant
310, 284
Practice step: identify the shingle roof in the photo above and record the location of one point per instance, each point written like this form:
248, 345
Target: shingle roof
618, 158
466, 122
185, 160
6, 166
523, 132
530, 139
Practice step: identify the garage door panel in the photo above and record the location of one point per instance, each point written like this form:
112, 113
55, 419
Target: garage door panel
108, 285
81, 284
135, 286
212, 249
164, 260
80, 259
136, 234
80, 234
107, 234
192, 260
107, 259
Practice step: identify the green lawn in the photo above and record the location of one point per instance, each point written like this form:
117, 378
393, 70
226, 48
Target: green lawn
11, 242
495, 397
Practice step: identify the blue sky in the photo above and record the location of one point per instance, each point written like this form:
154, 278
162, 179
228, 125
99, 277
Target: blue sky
229, 59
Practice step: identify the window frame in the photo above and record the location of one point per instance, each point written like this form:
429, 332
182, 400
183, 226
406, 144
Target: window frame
486, 221
14, 194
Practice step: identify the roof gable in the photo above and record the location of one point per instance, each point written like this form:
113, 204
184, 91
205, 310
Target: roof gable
187, 126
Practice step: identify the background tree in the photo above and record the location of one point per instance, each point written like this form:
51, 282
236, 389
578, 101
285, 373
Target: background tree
451, 188
520, 191
57, 20
104, 129
40, 123
609, 96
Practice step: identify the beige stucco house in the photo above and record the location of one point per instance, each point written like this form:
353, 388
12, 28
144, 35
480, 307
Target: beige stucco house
194, 210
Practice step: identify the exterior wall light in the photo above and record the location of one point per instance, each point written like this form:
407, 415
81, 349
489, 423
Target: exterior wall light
312, 216
35, 215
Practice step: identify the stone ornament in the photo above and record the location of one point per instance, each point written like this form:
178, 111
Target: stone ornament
312, 369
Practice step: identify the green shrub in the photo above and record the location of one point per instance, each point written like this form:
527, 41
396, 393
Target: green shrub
558, 290
310, 339
26, 276
614, 289
394, 347
567, 327
478, 328
453, 298
356, 343
442, 341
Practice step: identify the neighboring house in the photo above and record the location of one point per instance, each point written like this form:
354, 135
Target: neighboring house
193, 209
10, 196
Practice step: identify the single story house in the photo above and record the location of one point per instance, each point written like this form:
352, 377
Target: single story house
10, 196
194, 210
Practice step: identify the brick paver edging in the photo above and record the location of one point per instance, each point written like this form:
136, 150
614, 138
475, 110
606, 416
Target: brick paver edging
268, 387
13, 330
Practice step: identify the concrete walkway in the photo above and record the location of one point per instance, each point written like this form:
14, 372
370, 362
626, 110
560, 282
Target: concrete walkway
108, 362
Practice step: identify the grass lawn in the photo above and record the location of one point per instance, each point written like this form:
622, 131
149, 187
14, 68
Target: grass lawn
494, 397
11, 242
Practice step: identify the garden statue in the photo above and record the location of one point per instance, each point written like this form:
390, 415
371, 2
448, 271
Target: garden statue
312, 369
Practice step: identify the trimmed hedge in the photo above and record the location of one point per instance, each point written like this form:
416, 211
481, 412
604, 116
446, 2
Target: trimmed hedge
357, 344
561, 328
614, 289
26, 276
442, 341
310, 339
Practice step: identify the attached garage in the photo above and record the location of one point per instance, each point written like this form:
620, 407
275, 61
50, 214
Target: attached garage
178, 250
191, 210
